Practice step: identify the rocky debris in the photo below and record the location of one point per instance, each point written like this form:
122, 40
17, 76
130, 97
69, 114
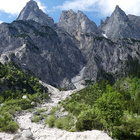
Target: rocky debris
27, 134
39, 131
42, 132
32, 12
119, 25
6, 136
17, 136
87, 135
24, 135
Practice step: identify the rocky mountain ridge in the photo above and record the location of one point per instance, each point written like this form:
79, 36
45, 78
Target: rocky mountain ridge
120, 26
75, 23
56, 53
39, 49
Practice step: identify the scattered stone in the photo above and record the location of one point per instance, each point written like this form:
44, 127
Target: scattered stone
27, 134
24, 97
2, 104
17, 136
40, 117
36, 113
33, 103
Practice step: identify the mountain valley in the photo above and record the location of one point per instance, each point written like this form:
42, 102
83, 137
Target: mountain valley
68, 75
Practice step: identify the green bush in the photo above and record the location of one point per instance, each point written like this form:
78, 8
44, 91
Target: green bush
88, 120
44, 116
12, 127
7, 124
58, 123
65, 123
53, 110
36, 119
129, 129
41, 110
51, 121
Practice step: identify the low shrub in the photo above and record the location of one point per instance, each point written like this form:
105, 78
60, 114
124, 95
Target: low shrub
65, 123
36, 119
51, 121
53, 110
41, 110
7, 124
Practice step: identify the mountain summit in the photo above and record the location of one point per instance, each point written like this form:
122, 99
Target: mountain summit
32, 12
119, 26
75, 23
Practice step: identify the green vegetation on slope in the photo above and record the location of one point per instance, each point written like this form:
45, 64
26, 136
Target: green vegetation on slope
14, 84
113, 108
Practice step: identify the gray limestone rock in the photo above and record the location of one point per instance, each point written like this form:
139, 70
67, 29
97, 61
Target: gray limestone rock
32, 12
27, 134
75, 23
17, 137
120, 26
49, 55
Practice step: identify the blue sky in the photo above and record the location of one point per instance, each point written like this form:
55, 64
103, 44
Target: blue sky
94, 9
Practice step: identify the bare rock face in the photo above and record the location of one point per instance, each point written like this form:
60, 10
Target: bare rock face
119, 26
32, 12
134, 19
75, 23
52, 57
106, 57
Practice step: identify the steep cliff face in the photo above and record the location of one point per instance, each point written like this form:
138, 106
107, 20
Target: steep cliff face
41, 50
32, 12
108, 54
119, 26
134, 19
75, 23
107, 57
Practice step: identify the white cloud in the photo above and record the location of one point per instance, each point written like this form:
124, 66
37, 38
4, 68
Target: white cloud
104, 7
14, 7
1, 22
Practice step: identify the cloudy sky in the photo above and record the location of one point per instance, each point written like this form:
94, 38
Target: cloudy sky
94, 9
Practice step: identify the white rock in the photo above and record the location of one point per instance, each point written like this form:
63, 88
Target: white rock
17, 136
24, 97
27, 134
33, 103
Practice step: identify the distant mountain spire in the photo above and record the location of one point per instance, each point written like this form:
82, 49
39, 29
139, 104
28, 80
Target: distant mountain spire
32, 12
119, 12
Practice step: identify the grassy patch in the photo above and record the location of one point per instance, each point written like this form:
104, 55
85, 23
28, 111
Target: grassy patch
36, 119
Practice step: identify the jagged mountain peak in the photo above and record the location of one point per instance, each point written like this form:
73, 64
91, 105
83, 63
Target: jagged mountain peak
74, 23
32, 12
32, 3
117, 8
119, 26
82, 15
119, 14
